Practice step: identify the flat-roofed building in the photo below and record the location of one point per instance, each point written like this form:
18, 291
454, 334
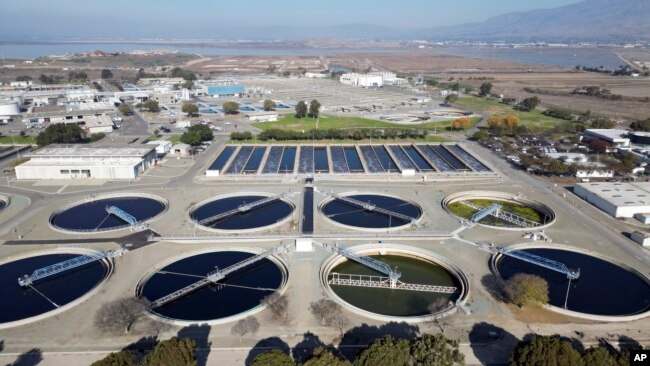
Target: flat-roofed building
87, 162
617, 199
262, 116
618, 138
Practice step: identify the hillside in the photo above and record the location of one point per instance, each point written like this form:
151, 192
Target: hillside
587, 20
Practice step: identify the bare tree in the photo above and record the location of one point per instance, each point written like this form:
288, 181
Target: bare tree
121, 314
278, 305
323, 309
339, 321
330, 314
435, 307
155, 327
245, 326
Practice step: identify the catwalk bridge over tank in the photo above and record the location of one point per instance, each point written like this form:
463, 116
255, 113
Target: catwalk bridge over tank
215, 276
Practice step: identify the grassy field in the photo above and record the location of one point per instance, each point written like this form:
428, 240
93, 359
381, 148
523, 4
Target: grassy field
495, 108
466, 212
18, 140
290, 122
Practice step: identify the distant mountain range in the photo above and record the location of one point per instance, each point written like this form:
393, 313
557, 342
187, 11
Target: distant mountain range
588, 20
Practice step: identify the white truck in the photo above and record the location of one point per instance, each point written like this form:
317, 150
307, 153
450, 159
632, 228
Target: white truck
183, 124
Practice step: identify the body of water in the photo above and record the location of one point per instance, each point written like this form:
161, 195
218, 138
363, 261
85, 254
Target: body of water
30, 51
568, 57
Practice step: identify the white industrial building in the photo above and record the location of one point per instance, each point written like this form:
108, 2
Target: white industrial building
87, 162
373, 79
262, 116
364, 80
616, 199
162, 146
618, 138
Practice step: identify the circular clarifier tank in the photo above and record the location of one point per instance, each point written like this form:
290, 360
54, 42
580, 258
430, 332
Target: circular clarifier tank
604, 288
516, 212
416, 266
242, 212
370, 211
240, 292
91, 215
49, 295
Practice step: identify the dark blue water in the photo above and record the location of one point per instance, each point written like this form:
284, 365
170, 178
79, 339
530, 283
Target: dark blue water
468, 158
3, 204
213, 302
237, 165
339, 164
352, 157
255, 160
402, 158
93, 216
372, 162
386, 161
223, 158
602, 289
308, 211
321, 165
259, 216
569, 57
449, 158
288, 160
353, 215
440, 164
306, 163
273, 160
20, 303
419, 161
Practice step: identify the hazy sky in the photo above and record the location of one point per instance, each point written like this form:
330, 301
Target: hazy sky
193, 18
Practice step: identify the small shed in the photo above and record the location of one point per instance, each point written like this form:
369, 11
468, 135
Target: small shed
162, 146
181, 150
643, 217
641, 238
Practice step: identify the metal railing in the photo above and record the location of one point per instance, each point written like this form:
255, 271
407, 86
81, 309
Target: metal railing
66, 265
125, 216
571, 274
344, 279
213, 277
245, 207
372, 207
501, 214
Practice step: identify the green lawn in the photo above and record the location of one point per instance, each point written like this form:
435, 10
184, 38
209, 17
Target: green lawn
175, 139
18, 140
495, 108
329, 122
515, 208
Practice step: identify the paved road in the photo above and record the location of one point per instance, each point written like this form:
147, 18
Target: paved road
135, 125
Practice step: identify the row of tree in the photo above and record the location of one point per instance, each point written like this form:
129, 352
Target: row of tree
336, 134
171, 352
313, 111
428, 349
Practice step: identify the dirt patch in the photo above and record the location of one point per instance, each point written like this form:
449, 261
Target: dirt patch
535, 314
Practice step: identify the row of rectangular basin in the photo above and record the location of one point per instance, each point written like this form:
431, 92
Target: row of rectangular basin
343, 159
